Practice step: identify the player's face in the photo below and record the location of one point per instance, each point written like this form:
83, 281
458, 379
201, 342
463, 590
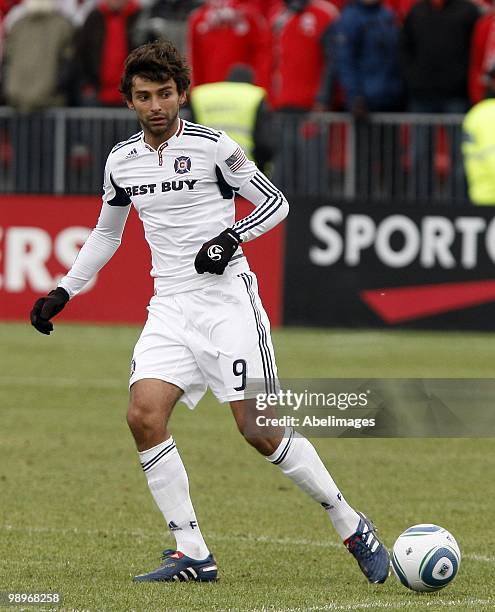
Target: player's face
157, 108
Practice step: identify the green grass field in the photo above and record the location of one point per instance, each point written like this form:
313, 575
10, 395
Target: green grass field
76, 516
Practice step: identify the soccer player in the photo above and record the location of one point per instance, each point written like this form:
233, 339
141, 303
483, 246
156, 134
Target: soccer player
206, 326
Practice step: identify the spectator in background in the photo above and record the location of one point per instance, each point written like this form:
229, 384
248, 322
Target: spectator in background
223, 33
366, 58
167, 20
38, 51
478, 146
482, 56
298, 32
239, 108
436, 41
435, 46
107, 36
366, 50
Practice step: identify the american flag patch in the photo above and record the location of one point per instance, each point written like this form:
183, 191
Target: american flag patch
236, 160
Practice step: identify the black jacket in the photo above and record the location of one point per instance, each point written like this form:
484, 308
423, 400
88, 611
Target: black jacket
435, 48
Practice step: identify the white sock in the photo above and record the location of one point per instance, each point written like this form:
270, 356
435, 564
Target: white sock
299, 460
169, 485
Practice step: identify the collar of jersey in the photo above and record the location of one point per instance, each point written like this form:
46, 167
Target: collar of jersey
168, 142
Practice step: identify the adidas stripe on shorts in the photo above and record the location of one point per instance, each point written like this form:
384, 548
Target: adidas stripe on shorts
216, 337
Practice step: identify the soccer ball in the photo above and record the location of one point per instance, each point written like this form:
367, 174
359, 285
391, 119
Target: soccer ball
426, 558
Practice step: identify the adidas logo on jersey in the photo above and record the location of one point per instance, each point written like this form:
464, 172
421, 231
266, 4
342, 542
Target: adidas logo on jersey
132, 154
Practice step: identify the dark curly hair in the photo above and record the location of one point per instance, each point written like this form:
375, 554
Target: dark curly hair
158, 61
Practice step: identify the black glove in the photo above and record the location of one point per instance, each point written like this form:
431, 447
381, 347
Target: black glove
46, 308
215, 254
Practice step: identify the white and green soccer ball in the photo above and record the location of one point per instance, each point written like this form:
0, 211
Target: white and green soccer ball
426, 558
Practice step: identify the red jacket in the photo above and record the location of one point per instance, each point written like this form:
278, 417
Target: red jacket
298, 54
265, 7
219, 37
482, 56
114, 50
269, 7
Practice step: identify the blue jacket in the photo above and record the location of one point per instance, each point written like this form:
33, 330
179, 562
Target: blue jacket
366, 56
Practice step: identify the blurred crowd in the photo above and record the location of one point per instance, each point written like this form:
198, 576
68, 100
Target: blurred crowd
356, 55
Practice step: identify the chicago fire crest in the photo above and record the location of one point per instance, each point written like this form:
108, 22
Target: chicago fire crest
182, 164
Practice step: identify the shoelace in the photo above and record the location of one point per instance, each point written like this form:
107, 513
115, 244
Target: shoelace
363, 550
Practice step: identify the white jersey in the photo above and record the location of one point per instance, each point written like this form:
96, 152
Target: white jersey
184, 195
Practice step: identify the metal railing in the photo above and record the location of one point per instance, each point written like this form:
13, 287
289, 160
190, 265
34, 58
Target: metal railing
396, 157
60, 150
389, 158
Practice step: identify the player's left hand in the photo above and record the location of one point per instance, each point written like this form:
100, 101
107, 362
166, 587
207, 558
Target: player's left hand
215, 254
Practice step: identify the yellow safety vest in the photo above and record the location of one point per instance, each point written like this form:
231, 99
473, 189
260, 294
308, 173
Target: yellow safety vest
478, 148
230, 107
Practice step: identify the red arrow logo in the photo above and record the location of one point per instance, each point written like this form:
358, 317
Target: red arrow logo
399, 304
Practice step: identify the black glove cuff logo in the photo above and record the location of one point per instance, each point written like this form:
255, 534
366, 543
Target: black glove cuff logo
215, 252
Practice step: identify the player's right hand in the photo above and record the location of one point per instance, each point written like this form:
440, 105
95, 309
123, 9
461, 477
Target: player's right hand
46, 308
